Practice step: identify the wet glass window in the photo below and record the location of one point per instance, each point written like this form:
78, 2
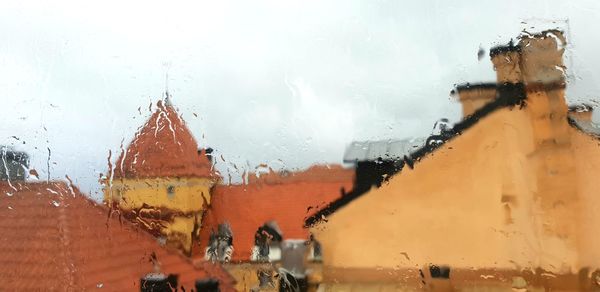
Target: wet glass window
348, 145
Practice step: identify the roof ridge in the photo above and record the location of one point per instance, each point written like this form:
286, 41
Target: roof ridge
63, 231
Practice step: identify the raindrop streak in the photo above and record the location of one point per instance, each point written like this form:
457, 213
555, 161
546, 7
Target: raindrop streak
48, 164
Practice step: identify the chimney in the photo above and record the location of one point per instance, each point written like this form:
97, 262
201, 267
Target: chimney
536, 64
14, 165
474, 96
543, 75
158, 282
541, 58
507, 63
581, 112
207, 285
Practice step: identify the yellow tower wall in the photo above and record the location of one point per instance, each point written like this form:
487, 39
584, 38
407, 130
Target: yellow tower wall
189, 193
172, 207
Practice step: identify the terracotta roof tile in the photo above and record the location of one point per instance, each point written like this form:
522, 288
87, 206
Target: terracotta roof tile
163, 147
287, 199
56, 239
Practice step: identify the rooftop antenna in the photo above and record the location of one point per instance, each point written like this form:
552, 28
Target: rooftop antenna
167, 95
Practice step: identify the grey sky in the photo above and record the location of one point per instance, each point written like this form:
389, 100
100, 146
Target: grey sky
289, 83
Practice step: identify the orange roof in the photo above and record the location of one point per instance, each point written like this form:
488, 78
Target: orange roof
53, 238
163, 147
287, 199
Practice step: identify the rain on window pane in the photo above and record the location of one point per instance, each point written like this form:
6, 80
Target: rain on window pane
299, 146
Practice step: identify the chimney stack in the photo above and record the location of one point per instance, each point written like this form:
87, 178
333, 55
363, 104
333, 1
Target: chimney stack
507, 63
542, 58
14, 165
474, 96
535, 60
207, 285
155, 282
535, 64
543, 75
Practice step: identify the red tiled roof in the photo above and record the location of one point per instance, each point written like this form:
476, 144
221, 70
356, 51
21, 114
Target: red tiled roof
315, 173
163, 147
288, 200
53, 238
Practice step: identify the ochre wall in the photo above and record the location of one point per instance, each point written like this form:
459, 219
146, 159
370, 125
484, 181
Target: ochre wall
246, 275
189, 195
476, 202
586, 150
516, 190
185, 206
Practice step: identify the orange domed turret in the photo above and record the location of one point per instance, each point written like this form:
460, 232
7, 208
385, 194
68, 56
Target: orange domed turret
162, 181
163, 147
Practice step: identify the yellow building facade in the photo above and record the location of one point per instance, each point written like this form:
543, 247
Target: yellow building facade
508, 201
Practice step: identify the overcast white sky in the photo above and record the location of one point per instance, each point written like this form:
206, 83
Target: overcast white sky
289, 83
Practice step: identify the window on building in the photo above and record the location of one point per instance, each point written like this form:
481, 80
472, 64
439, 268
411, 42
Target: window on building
315, 252
171, 192
439, 272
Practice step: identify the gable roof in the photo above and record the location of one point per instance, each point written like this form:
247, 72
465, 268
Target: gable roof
163, 147
53, 238
508, 95
287, 200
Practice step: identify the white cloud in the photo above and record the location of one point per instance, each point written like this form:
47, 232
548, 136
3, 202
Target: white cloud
355, 70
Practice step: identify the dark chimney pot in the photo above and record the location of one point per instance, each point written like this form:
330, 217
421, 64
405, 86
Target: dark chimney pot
207, 285
158, 282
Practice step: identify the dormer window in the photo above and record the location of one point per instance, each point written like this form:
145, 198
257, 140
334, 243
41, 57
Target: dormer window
267, 243
220, 244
